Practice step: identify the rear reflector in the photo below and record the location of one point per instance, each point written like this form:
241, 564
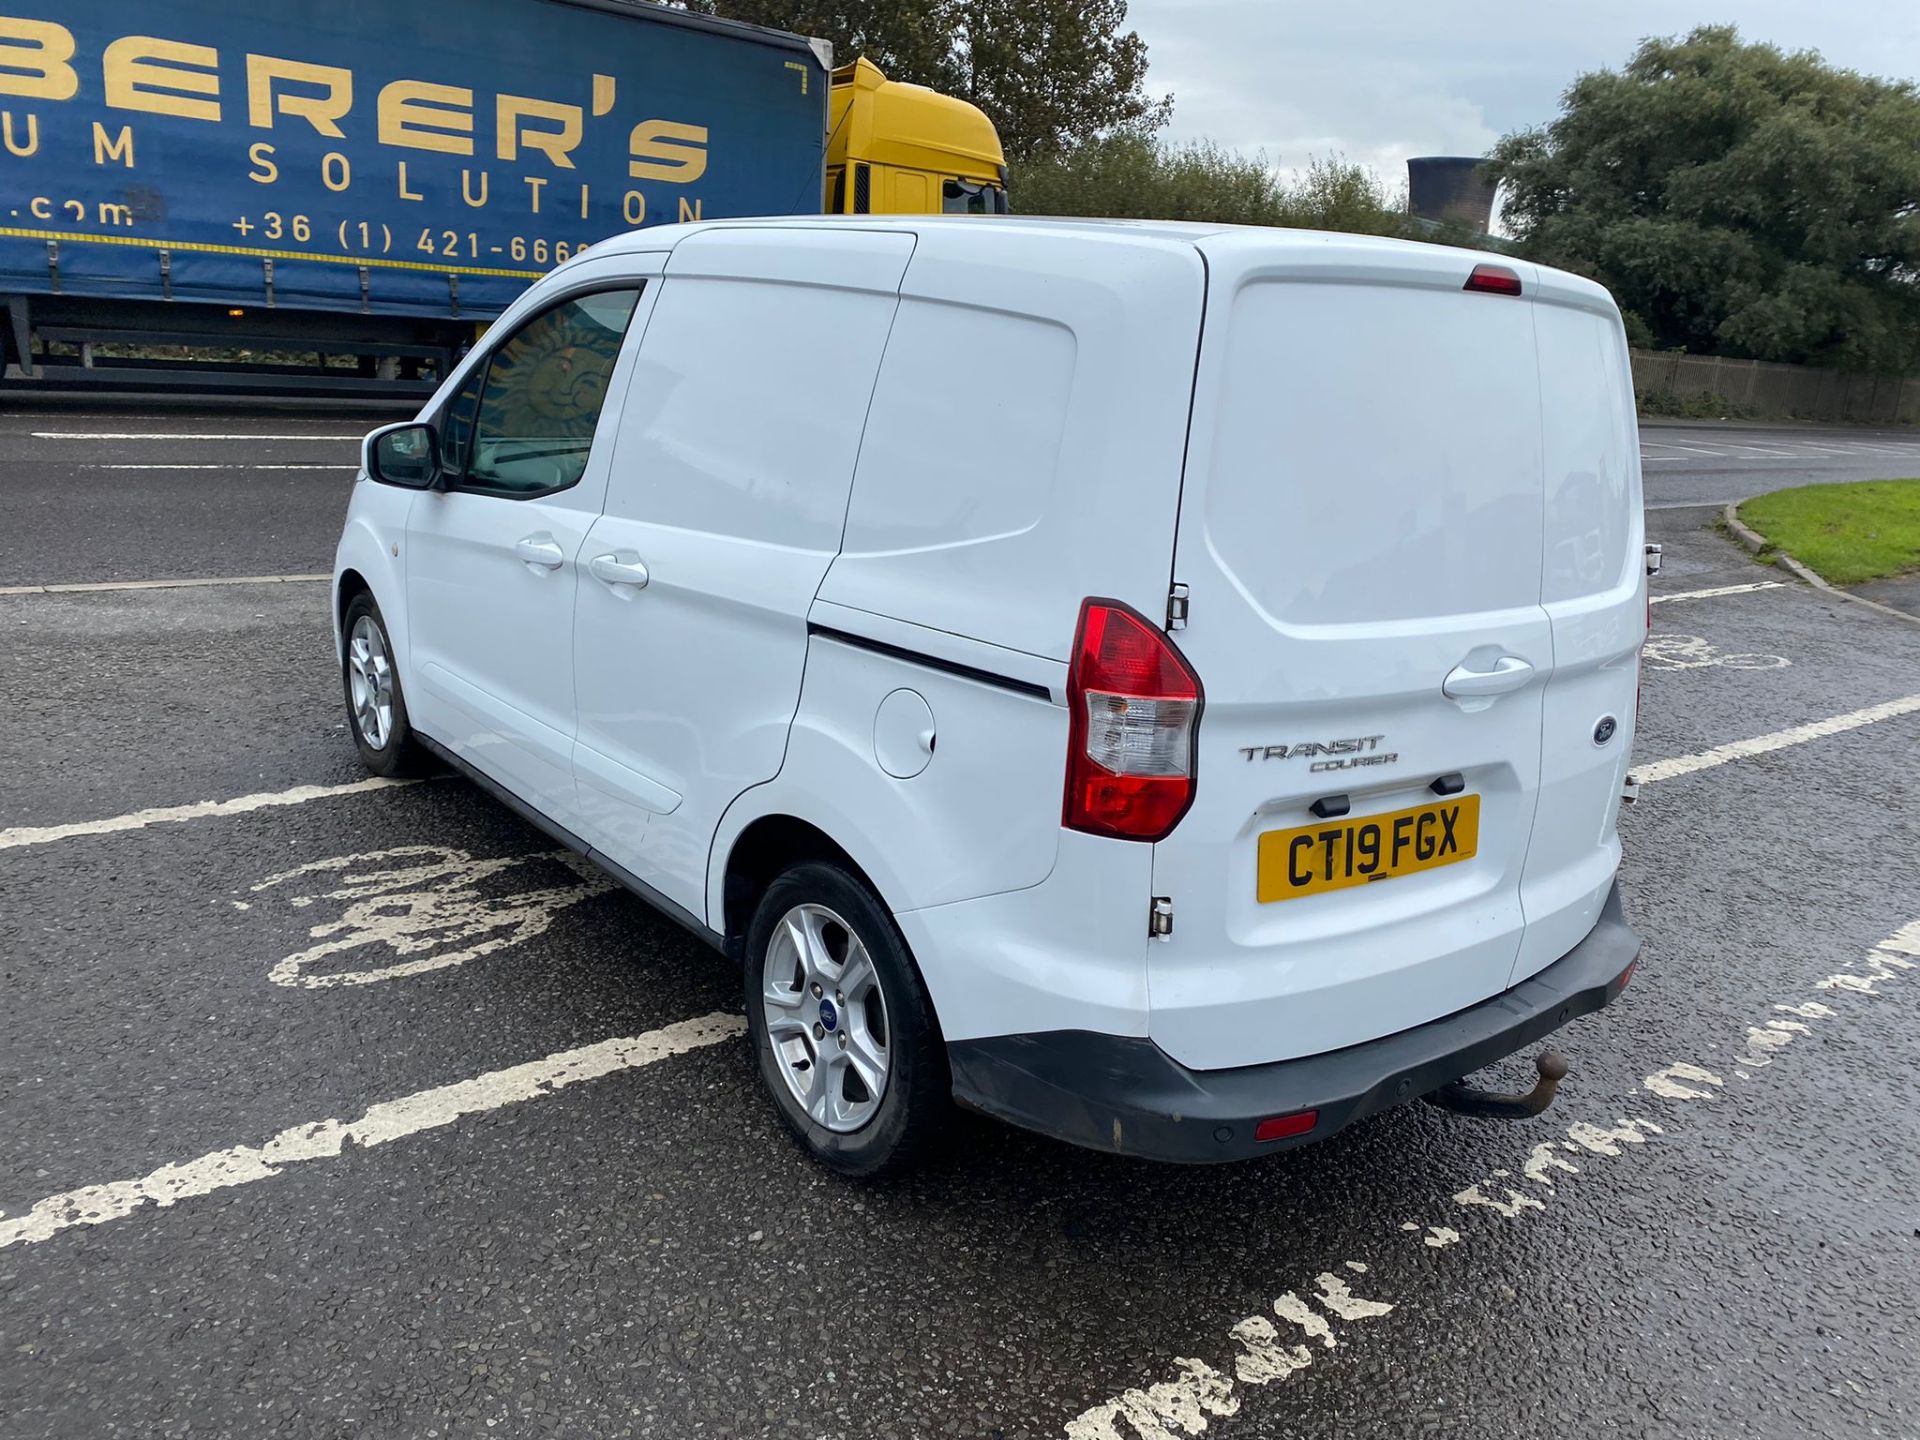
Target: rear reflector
1285, 1127
1626, 975
1493, 280
1133, 706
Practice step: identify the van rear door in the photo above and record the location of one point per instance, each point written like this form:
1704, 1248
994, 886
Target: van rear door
1360, 536
1594, 589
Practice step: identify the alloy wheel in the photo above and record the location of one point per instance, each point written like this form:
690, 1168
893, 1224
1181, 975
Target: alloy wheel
370, 682
826, 1018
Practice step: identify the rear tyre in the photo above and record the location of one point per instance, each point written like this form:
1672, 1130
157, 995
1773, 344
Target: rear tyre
842, 1030
376, 708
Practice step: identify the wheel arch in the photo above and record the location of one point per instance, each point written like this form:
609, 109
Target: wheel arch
762, 849
366, 562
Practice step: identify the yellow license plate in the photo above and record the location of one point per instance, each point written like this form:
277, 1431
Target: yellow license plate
1336, 854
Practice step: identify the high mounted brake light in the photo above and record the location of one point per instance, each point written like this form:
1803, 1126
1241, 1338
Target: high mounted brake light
1493, 280
1134, 706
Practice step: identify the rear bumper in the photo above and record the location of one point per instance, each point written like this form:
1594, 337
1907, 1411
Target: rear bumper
1126, 1095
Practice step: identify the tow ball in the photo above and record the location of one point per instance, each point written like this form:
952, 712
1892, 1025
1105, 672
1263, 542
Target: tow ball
1489, 1105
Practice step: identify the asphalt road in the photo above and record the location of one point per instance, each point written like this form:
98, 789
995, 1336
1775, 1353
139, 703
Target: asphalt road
1704, 462
1714, 1232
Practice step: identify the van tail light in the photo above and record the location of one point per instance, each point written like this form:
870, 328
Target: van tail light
1493, 280
1134, 707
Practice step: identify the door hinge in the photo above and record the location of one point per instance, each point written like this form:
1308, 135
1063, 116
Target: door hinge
1653, 559
1177, 607
1160, 917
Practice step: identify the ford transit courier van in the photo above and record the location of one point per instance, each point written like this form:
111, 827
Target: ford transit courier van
1169, 687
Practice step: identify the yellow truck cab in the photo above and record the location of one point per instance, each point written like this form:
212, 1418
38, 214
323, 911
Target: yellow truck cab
899, 149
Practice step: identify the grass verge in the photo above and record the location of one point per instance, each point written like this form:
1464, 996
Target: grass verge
1848, 533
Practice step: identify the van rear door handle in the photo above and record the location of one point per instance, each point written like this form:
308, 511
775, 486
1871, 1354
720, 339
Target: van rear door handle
1509, 673
540, 550
622, 567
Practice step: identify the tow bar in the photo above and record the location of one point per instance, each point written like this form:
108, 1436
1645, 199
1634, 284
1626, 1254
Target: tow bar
1489, 1105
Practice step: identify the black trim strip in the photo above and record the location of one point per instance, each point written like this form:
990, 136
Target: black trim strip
672, 909
1031, 688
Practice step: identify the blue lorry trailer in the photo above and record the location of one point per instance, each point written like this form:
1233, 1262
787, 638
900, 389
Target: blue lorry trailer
372, 178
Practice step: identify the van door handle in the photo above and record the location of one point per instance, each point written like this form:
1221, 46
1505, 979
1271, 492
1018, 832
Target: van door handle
1509, 673
540, 550
622, 567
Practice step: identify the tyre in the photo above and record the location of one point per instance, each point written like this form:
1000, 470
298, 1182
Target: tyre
841, 1026
376, 708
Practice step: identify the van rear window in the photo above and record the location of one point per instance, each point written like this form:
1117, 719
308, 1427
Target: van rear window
1377, 453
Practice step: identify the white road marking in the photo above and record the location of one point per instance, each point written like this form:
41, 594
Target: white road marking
1778, 740
1438, 1237
1596, 1140
1905, 940
1681, 1081
1263, 1359
174, 435
1721, 590
1510, 1207
1295, 1311
425, 902
94, 585
1882, 965
379, 1125
1337, 1297
1182, 1406
23, 835
1694, 652
1160, 1412
1546, 1157
1811, 1009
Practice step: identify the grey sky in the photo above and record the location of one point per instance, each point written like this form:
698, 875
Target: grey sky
1382, 80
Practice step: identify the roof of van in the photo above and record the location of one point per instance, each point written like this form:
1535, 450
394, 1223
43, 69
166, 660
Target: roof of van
665, 237
1331, 254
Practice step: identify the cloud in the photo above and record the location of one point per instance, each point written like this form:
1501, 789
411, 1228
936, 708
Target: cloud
1381, 81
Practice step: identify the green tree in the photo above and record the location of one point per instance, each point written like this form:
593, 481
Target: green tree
1053, 74
1131, 176
1050, 74
1737, 200
909, 41
1337, 194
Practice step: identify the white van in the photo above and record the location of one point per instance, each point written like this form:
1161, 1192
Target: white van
1166, 686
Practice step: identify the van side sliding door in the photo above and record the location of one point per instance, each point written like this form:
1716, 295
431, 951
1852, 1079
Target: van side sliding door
734, 459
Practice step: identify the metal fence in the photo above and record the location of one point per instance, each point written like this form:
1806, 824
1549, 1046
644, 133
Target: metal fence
1761, 390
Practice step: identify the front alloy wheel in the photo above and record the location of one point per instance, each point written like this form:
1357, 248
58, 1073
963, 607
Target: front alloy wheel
370, 682
376, 705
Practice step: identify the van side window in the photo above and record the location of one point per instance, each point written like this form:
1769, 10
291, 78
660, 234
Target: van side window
541, 397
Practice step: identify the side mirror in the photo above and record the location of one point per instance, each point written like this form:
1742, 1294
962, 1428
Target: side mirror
406, 455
